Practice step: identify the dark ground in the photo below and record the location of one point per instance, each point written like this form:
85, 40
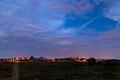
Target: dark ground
68, 71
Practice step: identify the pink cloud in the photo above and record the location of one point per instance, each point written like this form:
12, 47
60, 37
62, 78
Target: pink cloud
77, 7
111, 35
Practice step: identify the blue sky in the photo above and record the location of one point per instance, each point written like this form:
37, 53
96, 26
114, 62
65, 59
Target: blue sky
60, 28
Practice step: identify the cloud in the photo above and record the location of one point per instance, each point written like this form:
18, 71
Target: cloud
113, 10
65, 32
3, 34
111, 35
7, 8
74, 6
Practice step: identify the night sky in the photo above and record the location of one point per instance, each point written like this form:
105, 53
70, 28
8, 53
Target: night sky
60, 28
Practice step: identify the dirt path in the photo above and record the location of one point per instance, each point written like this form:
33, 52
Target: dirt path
15, 73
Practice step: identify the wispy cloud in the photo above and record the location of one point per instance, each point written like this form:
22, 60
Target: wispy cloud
113, 10
111, 35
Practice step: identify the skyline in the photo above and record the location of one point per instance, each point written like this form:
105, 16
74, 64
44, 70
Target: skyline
60, 28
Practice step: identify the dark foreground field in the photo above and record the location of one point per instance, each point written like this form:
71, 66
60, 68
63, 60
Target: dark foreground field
6, 70
67, 71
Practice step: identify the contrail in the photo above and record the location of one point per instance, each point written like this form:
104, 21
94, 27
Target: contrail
85, 25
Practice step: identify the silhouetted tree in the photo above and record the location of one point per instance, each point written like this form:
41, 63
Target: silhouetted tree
91, 61
32, 58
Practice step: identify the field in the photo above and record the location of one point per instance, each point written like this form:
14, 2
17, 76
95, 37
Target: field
67, 71
59, 71
6, 69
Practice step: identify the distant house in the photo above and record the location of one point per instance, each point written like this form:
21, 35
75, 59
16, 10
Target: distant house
81, 60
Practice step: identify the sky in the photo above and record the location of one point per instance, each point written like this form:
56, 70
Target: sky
60, 28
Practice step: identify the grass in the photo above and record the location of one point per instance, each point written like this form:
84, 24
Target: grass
6, 69
67, 71
61, 71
